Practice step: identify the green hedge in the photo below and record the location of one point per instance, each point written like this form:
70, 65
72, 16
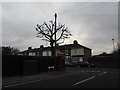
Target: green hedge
105, 61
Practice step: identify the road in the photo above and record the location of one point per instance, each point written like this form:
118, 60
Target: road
77, 78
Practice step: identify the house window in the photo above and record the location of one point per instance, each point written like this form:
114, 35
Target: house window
66, 52
38, 53
75, 50
31, 54
81, 59
67, 58
44, 53
47, 53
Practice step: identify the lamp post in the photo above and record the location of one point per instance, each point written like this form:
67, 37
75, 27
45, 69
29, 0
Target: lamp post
113, 45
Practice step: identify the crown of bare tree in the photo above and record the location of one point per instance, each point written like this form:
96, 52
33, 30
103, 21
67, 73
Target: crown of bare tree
53, 33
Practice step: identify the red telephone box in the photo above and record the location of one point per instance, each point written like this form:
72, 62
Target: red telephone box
61, 62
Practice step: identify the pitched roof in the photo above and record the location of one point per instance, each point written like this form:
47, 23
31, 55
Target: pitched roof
66, 46
73, 46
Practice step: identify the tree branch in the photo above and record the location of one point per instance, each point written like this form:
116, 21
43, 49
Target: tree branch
49, 29
63, 30
42, 31
46, 31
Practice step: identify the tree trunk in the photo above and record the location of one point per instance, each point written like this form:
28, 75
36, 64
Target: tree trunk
52, 49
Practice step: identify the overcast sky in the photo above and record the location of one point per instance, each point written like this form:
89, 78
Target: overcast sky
93, 24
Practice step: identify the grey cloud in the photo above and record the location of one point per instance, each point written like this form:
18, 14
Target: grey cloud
92, 24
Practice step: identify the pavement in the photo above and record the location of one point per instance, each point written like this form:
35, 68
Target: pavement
22, 79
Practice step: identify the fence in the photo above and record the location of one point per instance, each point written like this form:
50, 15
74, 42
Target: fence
27, 65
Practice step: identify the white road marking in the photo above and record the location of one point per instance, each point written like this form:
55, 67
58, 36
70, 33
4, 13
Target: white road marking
83, 80
82, 70
98, 71
33, 81
105, 72
102, 73
92, 71
87, 71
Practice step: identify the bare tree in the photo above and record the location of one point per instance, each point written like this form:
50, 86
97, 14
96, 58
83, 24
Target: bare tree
10, 51
52, 33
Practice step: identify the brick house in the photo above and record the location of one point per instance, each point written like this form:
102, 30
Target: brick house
73, 52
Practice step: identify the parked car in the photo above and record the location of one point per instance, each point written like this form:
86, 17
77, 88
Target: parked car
51, 68
85, 64
68, 64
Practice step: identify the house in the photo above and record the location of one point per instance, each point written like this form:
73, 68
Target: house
73, 52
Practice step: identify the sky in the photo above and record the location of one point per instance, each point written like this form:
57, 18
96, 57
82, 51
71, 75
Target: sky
92, 24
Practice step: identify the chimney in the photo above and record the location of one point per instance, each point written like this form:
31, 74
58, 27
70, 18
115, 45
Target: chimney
29, 48
41, 46
75, 42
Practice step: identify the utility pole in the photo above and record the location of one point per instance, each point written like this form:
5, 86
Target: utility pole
55, 28
55, 35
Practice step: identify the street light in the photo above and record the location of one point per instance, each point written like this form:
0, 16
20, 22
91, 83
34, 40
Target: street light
113, 44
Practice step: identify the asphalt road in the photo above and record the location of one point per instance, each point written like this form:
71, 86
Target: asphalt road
78, 78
